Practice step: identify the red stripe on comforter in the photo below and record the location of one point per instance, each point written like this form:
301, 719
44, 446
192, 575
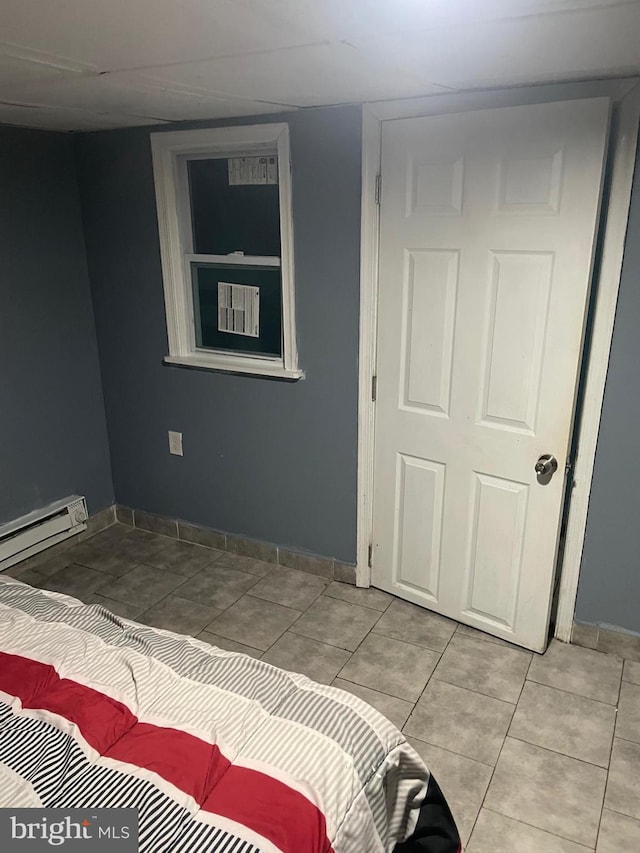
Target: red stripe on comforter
252, 799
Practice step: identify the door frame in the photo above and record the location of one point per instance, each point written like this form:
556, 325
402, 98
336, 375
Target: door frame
625, 96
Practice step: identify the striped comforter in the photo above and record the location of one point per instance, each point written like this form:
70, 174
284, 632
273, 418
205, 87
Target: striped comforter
216, 750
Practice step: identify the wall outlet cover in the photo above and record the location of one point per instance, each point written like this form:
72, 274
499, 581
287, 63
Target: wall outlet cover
175, 443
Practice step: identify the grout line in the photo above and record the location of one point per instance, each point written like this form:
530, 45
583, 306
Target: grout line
571, 693
451, 751
266, 601
346, 600
539, 828
557, 752
431, 674
435, 677
625, 739
409, 642
526, 675
483, 637
613, 740
504, 740
491, 778
623, 814
376, 690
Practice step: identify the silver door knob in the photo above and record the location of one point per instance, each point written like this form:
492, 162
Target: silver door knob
546, 466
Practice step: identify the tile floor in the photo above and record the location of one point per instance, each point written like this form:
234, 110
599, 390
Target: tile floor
535, 753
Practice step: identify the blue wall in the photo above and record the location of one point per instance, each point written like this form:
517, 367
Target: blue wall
277, 461
264, 459
609, 588
53, 439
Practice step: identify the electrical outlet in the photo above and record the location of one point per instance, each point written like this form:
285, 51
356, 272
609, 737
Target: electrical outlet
175, 443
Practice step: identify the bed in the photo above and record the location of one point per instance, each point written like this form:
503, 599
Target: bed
217, 751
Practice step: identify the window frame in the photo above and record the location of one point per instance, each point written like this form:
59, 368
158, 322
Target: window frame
170, 152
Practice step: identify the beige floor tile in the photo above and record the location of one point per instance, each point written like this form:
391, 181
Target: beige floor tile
461, 721
394, 709
413, 624
628, 723
113, 533
336, 622
201, 535
290, 587
623, 787
46, 568
468, 631
75, 580
179, 615
317, 660
120, 608
618, 833
397, 668
463, 781
229, 645
553, 792
28, 575
306, 563
217, 586
565, 722
103, 557
116, 555
157, 524
183, 558
20, 568
246, 564
374, 598
577, 670
141, 587
619, 643
585, 635
495, 833
144, 542
254, 622
631, 671
257, 550
497, 671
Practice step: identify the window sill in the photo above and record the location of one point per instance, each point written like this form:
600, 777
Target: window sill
246, 366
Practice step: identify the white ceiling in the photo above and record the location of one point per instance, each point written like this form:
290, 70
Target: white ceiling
90, 64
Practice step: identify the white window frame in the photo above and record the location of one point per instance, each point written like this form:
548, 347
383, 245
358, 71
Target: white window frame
170, 153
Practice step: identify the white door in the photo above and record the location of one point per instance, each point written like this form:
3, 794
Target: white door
487, 227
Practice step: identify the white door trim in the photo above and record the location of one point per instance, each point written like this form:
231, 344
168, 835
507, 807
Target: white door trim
371, 130
626, 94
622, 168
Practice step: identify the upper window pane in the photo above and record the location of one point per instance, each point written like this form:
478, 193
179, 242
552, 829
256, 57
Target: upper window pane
228, 213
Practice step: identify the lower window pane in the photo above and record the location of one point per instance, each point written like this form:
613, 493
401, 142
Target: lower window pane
238, 309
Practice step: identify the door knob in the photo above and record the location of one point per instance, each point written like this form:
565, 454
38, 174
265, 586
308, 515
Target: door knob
546, 466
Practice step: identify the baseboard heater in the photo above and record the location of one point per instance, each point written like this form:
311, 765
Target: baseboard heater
40, 529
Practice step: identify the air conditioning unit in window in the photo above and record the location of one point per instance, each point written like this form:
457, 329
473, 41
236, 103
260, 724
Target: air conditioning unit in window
41, 528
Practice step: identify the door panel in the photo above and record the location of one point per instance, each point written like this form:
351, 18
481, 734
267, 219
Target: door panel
494, 564
487, 226
515, 333
420, 488
429, 302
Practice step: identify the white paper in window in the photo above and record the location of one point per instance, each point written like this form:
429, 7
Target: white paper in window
247, 171
239, 309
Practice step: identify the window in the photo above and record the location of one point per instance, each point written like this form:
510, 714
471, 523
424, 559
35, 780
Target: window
224, 213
